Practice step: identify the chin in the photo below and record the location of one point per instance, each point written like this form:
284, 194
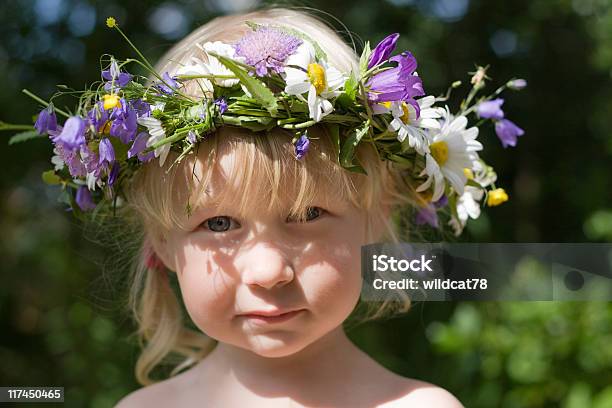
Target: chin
276, 344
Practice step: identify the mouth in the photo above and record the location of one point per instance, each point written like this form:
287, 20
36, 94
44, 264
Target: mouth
269, 317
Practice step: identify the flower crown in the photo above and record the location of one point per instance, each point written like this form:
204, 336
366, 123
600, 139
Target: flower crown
275, 76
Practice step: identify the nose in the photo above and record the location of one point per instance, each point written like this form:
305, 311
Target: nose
266, 266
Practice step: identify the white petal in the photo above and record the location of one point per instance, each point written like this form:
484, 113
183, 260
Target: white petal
297, 88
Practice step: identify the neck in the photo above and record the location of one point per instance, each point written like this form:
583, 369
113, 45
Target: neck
329, 355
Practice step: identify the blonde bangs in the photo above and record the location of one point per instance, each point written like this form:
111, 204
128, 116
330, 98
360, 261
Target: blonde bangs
264, 176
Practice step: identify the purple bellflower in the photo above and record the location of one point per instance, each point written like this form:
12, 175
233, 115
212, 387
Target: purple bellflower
508, 132
46, 121
301, 146
72, 136
428, 214
116, 79
169, 84
139, 145
491, 109
98, 117
398, 83
383, 50
221, 104
124, 124
84, 200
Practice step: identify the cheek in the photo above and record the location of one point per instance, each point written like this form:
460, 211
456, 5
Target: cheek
207, 292
331, 276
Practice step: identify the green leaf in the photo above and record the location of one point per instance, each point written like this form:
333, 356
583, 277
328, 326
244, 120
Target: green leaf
365, 56
256, 124
348, 97
347, 153
255, 87
401, 160
334, 132
49, 177
23, 136
119, 147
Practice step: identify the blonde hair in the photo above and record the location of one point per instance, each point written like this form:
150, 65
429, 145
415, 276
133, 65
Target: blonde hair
158, 200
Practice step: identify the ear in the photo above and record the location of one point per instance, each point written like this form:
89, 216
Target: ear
160, 247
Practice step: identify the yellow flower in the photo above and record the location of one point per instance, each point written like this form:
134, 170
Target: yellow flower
316, 74
111, 22
110, 101
496, 197
468, 173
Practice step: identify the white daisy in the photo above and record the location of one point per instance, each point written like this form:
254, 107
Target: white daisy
452, 149
468, 203
156, 133
406, 125
215, 67
198, 67
320, 80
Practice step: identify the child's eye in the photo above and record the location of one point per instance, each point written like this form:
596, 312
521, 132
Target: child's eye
312, 213
221, 223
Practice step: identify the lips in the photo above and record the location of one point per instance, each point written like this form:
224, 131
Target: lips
273, 316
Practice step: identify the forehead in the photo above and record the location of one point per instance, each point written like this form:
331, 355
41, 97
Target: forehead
253, 174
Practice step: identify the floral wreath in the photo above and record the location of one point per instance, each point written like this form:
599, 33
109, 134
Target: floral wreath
275, 76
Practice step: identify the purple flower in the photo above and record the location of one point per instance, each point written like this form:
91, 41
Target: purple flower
140, 144
98, 117
491, 109
84, 200
266, 49
141, 107
106, 151
121, 79
72, 158
427, 215
383, 50
125, 123
168, 85
442, 201
192, 137
301, 146
221, 104
46, 121
508, 132
72, 136
398, 83
112, 176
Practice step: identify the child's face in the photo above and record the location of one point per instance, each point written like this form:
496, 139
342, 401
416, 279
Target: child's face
232, 271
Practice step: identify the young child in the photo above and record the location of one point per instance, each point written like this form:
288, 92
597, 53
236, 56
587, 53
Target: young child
267, 259
259, 158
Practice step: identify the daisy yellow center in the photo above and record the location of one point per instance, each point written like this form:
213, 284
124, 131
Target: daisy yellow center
316, 75
496, 197
406, 116
111, 101
439, 151
386, 104
468, 173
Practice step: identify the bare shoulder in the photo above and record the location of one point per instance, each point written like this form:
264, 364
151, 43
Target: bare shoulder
155, 395
417, 393
159, 394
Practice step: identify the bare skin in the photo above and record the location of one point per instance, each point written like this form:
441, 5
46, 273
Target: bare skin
234, 269
331, 372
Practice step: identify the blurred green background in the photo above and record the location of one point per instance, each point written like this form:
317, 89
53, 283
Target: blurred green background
61, 318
